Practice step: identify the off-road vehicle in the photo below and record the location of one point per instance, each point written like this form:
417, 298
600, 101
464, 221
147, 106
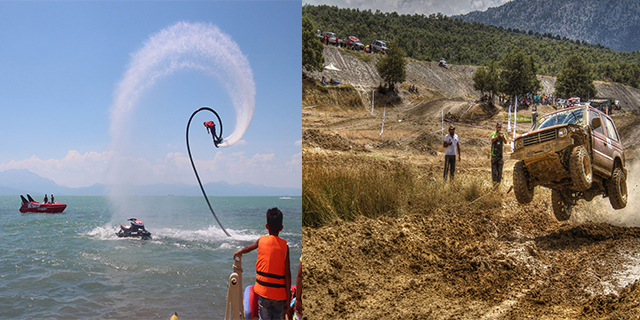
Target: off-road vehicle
575, 152
379, 46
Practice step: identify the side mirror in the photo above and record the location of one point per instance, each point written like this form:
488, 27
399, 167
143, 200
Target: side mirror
596, 123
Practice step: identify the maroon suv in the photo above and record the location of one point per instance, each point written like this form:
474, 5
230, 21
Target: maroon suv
577, 153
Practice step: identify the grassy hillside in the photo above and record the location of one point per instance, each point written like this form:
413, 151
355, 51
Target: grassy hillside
435, 36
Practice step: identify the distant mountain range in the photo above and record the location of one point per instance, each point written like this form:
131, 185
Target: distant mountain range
23, 181
612, 23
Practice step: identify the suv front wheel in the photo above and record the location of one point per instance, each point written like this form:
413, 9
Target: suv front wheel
521, 186
562, 206
617, 189
580, 169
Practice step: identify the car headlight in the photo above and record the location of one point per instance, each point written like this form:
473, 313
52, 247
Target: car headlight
562, 132
519, 143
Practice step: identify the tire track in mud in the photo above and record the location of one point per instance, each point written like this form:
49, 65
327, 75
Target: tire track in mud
518, 263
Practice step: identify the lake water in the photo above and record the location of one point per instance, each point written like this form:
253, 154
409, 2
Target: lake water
73, 266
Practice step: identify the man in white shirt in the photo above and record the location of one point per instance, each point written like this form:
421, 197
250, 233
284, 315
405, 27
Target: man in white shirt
452, 148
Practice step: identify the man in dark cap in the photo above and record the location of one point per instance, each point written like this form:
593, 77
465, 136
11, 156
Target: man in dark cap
452, 148
497, 140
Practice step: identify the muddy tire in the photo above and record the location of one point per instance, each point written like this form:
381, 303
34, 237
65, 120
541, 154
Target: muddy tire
580, 169
617, 189
521, 187
561, 206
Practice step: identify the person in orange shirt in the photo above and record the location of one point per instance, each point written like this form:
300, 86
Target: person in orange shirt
273, 271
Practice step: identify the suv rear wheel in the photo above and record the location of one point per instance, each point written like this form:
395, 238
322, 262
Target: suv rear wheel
521, 187
580, 169
617, 189
562, 207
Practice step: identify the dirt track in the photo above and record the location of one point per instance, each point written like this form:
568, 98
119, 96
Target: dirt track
462, 265
511, 262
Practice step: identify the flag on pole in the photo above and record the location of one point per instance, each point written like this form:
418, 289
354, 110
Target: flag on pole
515, 117
384, 114
509, 121
372, 97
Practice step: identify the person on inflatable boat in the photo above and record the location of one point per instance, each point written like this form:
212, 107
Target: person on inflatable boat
273, 272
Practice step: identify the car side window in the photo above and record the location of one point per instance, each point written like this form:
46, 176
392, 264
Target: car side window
593, 116
611, 130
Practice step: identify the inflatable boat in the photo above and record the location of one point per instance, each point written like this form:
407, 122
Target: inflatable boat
34, 206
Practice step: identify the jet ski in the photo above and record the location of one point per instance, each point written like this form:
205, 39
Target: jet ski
135, 230
34, 206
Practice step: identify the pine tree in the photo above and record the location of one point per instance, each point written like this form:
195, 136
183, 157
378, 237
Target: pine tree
519, 74
575, 79
312, 58
480, 80
392, 67
493, 79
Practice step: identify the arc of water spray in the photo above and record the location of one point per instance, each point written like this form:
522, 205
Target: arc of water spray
182, 46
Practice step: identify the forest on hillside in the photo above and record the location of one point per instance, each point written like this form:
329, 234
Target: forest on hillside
431, 37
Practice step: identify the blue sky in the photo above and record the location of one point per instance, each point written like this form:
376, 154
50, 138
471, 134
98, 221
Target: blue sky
60, 65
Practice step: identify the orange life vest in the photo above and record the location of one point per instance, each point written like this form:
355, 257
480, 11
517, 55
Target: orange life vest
270, 281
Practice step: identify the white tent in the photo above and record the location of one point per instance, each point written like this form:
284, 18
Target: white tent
331, 67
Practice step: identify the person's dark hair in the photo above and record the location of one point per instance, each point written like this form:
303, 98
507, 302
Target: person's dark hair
274, 219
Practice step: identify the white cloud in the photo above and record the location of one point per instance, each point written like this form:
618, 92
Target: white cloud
295, 162
298, 143
81, 170
241, 142
74, 170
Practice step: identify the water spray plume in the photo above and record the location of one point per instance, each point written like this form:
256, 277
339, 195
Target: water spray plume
186, 46
180, 47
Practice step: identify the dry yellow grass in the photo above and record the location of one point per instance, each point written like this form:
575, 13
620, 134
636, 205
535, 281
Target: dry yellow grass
342, 186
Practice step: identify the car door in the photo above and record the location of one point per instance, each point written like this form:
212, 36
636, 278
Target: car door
614, 144
601, 160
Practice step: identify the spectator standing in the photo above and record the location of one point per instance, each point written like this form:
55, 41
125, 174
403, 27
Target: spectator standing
497, 141
452, 148
273, 273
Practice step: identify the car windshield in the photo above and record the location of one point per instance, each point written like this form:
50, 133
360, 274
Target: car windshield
573, 115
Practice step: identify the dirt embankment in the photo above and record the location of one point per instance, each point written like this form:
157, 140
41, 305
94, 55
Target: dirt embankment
444, 83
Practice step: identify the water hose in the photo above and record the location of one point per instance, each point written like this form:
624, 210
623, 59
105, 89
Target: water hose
217, 139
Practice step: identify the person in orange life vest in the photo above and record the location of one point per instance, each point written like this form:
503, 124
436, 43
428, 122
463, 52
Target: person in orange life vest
273, 271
